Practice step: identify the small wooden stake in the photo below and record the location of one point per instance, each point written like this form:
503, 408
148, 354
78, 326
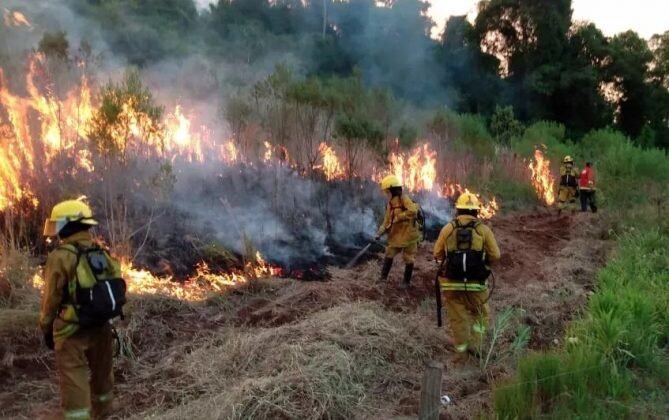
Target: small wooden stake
430, 394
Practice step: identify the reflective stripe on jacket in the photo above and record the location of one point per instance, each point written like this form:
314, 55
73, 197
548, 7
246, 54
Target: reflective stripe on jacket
441, 248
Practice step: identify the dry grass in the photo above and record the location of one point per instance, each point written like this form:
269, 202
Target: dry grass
328, 365
16, 271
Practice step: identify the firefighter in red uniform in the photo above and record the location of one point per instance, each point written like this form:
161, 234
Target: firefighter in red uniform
586, 186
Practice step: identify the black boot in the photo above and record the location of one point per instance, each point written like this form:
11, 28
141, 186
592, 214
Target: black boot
408, 270
385, 269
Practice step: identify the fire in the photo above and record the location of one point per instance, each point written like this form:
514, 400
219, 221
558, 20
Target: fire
488, 208
331, 166
62, 124
16, 19
183, 141
543, 180
416, 170
201, 285
269, 151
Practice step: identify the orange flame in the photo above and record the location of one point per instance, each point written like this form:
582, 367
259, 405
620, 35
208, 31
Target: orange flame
331, 166
201, 285
488, 209
416, 170
543, 180
16, 19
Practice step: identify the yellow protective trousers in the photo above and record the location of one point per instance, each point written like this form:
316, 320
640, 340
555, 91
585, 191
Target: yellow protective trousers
84, 363
467, 318
566, 197
408, 252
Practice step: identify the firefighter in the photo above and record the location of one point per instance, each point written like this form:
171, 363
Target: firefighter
568, 189
464, 250
83, 355
586, 186
400, 223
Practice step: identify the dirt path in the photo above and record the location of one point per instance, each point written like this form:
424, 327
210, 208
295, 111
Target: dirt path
547, 268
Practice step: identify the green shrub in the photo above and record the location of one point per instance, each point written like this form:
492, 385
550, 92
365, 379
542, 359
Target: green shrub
615, 356
547, 133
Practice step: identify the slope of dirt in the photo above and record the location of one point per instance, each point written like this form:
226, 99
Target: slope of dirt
547, 268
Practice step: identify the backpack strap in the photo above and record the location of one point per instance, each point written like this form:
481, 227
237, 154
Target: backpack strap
70, 288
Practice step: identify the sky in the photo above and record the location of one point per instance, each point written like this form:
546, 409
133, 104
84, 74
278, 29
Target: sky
647, 17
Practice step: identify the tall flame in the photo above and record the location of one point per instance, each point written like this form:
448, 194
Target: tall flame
416, 170
16, 18
331, 166
543, 180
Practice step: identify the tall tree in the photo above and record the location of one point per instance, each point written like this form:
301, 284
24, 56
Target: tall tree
530, 36
470, 74
628, 65
577, 100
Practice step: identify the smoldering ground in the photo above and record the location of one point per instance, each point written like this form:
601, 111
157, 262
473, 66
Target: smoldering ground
293, 220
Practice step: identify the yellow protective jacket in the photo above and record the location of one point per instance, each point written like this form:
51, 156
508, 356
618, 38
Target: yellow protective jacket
569, 174
447, 242
401, 215
61, 268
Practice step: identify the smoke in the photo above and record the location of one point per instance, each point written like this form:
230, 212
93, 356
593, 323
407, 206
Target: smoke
293, 220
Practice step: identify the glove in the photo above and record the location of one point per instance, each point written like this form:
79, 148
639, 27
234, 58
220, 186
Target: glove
48, 340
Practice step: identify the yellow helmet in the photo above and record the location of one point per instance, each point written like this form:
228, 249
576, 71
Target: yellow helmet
567, 159
65, 212
468, 201
390, 181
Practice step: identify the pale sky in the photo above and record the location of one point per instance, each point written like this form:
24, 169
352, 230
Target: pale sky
647, 17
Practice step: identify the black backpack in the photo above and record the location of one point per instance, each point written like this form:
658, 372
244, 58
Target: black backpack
104, 299
464, 263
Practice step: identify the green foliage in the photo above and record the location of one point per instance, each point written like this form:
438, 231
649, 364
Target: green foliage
556, 67
407, 135
467, 133
615, 356
121, 105
547, 133
504, 126
54, 45
507, 323
630, 58
626, 172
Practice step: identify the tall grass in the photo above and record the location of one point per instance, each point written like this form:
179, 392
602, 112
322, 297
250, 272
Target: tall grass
615, 363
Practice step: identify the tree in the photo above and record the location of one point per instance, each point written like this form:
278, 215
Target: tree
356, 132
628, 70
504, 125
127, 120
54, 45
659, 90
530, 36
578, 101
470, 74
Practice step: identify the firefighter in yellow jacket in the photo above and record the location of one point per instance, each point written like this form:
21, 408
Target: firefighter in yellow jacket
77, 349
464, 250
401, 226
568, 189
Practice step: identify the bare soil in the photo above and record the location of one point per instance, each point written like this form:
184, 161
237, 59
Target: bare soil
547, 268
